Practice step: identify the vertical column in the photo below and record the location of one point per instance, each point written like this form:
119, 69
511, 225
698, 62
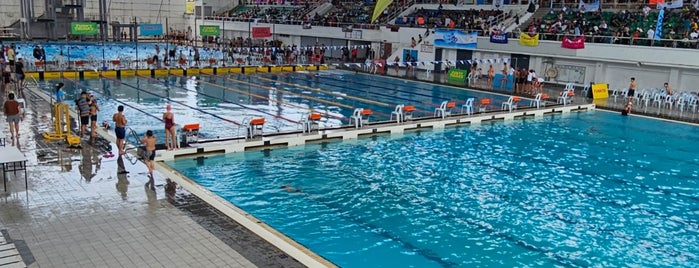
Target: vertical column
674, 79
600, 73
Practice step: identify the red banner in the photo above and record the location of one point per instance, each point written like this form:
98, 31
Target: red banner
577, 43
261, 32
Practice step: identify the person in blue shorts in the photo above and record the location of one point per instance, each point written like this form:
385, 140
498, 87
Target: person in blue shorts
120, 128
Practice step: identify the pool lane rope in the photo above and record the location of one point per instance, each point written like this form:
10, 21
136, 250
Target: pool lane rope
326, 92
430, 104
121, 102
282, 91
221, 99
262, 97
174, 101
288, 92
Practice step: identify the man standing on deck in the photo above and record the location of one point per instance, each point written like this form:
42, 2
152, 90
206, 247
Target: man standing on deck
120, 128
83, 108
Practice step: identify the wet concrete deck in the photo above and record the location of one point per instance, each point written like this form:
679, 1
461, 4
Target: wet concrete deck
78, 212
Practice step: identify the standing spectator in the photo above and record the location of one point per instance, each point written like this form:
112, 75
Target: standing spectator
13, 114
11, 55
6, 78
632, 89
668, 90
19, 76
170, 131
149, 141
354, 54
59, 92
396, 62
120, 128
82, 106
94, 108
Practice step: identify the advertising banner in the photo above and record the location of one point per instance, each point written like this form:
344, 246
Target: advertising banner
455, 39
600, 91
527, 40
261, 32
83, 28
498, 38
209, 30
576, 43
150, 29
189, 7
457, 76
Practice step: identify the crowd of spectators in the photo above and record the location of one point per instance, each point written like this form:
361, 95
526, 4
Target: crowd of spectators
483, 20
636, 27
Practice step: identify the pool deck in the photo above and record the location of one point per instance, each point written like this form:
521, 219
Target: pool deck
77, 211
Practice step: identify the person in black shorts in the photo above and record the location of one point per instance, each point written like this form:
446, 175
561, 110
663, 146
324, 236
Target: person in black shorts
632, 89
94, 108
19, 75
7, 77
83, 108
149, 142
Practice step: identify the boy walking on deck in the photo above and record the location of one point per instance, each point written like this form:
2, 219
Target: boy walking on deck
149, 141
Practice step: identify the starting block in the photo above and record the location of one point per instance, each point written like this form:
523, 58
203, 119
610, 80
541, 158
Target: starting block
190, 133
254, 127
311, 122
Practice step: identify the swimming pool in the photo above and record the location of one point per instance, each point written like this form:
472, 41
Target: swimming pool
581, 189
221, 103
109, 51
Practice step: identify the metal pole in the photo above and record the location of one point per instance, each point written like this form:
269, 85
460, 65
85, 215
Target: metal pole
202, 21
167, 40
136, 40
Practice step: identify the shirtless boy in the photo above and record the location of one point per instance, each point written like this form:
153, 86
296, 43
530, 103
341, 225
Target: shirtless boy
149, 141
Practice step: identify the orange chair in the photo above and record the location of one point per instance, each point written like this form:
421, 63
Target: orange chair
484, 105
257, 121
314, 116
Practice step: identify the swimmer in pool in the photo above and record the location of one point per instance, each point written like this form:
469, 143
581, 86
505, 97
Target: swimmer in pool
290, 189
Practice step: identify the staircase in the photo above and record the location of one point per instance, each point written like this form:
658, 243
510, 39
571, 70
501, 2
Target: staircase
538, 14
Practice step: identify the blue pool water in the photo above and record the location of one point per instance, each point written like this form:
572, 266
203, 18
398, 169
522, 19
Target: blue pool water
219, 103
584, 189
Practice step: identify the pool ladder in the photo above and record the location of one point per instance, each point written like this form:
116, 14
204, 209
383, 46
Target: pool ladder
127, 148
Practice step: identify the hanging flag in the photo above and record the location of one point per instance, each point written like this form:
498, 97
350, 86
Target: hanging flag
591, 7
530, 41
575, 43
498, 38
674, 4
380, 6
659, 25
497, 4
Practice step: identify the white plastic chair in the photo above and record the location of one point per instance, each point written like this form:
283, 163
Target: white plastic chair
444, 109
585, 90
564, 97
537, 101
398, 112
668, 102
468, 106
619, 93
510, 104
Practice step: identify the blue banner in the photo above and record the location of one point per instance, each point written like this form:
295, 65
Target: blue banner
659, 26
455, 39
498, 38
151, 29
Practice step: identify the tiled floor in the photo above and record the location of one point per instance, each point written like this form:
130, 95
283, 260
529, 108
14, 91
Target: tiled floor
78, 212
